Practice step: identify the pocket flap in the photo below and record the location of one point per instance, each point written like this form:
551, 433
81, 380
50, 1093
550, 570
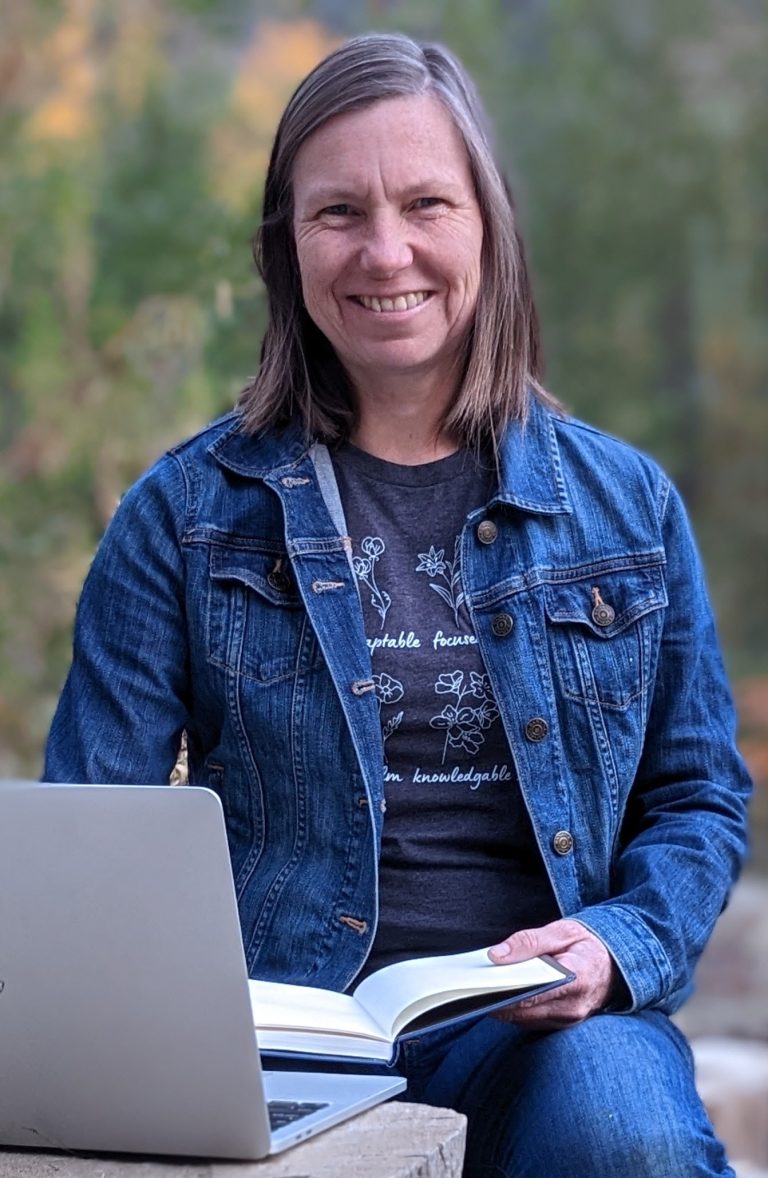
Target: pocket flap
267, 573
625, 594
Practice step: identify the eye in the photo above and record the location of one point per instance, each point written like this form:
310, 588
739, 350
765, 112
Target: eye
427, 202
339, 210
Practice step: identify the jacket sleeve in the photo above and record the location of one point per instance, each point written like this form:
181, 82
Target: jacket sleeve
124, 703
683, 836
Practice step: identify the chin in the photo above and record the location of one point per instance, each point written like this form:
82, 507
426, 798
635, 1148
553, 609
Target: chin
399, 360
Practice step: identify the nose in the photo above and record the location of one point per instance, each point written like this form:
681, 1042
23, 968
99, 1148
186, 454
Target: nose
386, 249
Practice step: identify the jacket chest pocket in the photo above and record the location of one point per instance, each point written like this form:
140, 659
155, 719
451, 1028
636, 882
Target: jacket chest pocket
604, 633
257, 624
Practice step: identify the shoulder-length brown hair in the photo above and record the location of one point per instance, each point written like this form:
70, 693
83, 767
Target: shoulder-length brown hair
300, 374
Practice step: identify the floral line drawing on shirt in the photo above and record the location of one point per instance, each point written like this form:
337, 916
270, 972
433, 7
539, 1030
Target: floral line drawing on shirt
389, 691
465, 726
372, 547
434, 564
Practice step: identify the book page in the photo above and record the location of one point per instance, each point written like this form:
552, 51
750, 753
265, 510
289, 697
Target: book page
277, 1006
312, 1043
399, 993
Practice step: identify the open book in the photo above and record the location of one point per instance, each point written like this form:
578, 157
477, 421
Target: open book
394, 1002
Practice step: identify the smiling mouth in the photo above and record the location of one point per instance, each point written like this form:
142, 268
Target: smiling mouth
405, 302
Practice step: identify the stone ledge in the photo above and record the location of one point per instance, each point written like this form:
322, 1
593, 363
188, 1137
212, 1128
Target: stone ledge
395, 1140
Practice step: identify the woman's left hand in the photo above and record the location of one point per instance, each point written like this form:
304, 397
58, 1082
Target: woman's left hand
576, 949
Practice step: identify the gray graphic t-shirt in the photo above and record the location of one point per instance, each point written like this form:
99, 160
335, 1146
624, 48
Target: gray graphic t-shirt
459, 866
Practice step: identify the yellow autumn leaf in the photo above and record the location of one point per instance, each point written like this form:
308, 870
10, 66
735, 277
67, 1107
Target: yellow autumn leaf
65, 111
279, 56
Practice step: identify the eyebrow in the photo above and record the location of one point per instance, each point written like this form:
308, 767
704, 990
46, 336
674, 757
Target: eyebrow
329, 195
336, 194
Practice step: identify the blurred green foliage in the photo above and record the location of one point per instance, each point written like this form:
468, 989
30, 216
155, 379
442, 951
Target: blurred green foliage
133, 139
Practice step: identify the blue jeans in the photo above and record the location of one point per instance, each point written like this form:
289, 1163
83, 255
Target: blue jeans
612, 1096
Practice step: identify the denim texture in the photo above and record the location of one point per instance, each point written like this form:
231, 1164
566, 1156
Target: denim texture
222, 600
613, 1096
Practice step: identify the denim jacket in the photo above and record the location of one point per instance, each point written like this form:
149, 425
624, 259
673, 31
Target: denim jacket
222, 601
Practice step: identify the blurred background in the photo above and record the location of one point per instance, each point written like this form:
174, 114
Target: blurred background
133, 140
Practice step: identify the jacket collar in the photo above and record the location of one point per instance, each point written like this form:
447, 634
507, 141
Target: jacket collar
531, 476
258, 456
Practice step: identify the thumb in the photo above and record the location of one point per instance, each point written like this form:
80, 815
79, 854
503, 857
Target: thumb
527, 943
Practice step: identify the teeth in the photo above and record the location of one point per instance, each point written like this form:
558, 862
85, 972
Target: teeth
399, 303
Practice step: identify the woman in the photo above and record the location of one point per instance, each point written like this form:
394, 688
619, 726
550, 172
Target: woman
399, 579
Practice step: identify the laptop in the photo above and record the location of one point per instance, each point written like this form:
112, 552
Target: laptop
125, 1017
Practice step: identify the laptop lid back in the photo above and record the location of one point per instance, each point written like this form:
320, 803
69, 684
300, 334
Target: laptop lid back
125, 1021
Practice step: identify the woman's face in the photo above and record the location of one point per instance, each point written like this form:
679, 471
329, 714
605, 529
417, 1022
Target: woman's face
389, 235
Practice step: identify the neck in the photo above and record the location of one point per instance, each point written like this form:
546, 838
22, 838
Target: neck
400, 421
407, 448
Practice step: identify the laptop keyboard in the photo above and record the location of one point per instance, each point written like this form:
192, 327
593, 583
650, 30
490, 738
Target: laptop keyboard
285, 1112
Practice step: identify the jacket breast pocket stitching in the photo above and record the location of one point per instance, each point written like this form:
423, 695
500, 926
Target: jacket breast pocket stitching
605, 664
255, 630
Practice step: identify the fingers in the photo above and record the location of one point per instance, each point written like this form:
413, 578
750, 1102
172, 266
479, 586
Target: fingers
561, 1008
553, 938
542, 1021
565, 1007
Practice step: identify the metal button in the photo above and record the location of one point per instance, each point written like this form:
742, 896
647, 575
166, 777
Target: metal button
279, 581
563, 842
502, 625
603, 615
487, 531
536, 729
